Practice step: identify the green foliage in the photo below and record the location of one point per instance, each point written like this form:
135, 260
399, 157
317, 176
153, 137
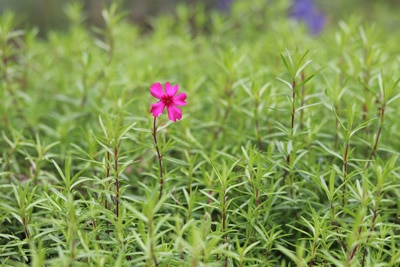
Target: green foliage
286, 155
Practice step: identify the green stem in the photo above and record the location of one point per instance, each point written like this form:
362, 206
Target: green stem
378, 136
345, 158
116, 182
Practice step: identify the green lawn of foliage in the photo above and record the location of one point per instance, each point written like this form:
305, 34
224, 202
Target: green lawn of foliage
286, 155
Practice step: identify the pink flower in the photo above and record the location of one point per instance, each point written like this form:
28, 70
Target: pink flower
169, 100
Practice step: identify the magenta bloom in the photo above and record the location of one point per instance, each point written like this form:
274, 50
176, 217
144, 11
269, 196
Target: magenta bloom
168, 99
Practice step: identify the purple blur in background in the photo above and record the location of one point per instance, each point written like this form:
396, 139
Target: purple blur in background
224, 5
301, 10
307, 11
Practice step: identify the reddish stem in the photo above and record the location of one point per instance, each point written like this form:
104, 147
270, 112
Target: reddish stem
293, 99
107, 169
107, 175
25, 227
159, 156
371, 229
355, 248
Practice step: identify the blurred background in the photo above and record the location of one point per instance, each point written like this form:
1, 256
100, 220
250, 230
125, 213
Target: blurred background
50, 14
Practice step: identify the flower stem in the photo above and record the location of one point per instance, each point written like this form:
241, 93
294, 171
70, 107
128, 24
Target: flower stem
159, 156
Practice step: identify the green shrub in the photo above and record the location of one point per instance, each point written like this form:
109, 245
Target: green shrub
286, 154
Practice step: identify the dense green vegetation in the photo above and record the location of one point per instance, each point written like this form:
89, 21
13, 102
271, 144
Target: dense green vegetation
286, 155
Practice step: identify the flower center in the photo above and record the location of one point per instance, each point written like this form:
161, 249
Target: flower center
167, 100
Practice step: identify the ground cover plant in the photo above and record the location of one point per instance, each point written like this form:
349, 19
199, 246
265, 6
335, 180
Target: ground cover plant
279, 149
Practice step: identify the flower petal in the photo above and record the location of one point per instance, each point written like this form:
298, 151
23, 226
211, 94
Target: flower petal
156, 90
174, 113
171, 90
157, 108
180, 99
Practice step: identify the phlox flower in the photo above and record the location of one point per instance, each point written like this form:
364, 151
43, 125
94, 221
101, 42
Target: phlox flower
168, 99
